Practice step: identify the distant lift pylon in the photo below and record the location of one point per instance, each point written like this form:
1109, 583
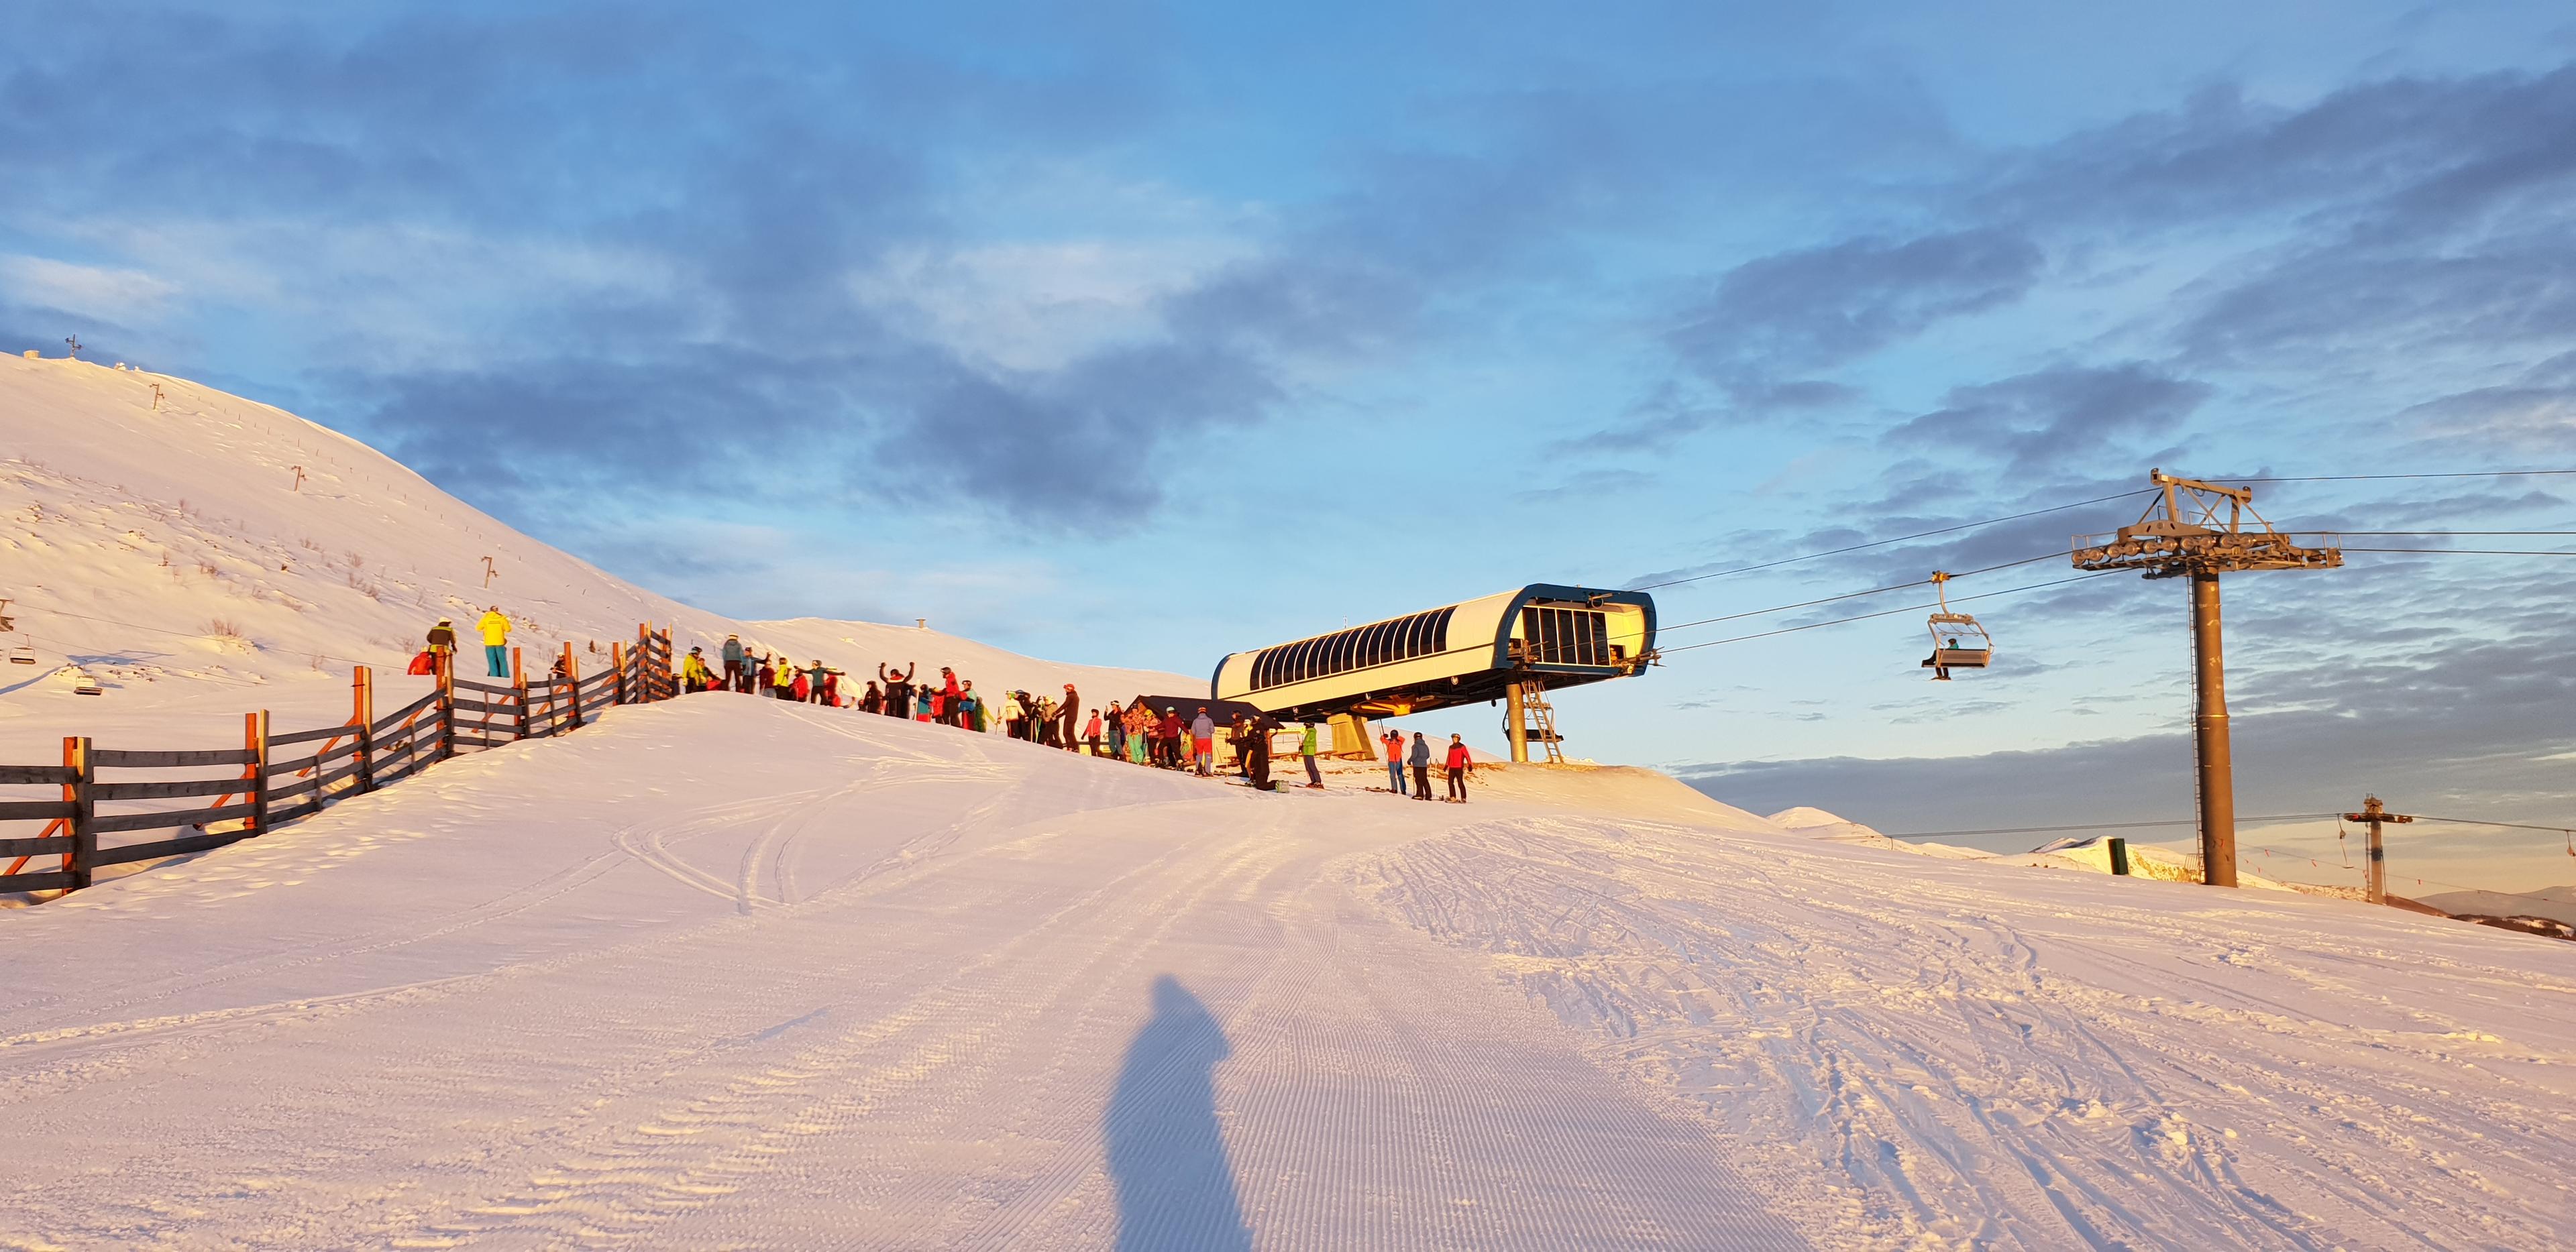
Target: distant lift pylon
1958, 642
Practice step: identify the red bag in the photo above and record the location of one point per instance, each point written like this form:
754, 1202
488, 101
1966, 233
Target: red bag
424, 664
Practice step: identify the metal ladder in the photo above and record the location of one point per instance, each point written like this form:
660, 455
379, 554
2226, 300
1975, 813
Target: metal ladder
1542, 717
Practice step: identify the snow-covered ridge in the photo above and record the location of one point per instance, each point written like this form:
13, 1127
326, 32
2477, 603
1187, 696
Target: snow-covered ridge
200, 555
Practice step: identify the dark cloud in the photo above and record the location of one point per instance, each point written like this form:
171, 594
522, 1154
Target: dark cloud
2057, 420
1779, 317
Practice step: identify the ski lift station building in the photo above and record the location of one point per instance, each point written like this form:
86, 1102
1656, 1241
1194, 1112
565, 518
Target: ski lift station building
1506, 646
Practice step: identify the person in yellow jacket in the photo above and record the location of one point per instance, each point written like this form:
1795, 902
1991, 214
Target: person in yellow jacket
694, 674
496, 641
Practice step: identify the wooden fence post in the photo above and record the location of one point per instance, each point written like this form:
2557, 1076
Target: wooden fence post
255, 738
362, 700
572, 678
446, 714
519, 679
76, 758
617, 666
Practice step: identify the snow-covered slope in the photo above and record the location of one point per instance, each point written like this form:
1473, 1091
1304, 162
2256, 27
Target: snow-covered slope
724, 972
1816, 823
2555, 903
173, 554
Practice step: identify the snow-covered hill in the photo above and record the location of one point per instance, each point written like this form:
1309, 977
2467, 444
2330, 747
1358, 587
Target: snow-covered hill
201, 555
728, 973
2554, 903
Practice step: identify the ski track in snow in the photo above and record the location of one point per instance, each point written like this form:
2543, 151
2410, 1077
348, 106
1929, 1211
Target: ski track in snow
965, 993
2019, 1059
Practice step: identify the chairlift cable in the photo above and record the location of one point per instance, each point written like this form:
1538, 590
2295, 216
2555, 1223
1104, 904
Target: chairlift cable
1911, 608
1852, 595
2471, 821
2468, 551
1881, 543
2350, 478
2049, 830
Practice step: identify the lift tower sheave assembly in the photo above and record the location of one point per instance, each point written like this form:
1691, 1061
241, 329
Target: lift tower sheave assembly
2199, 530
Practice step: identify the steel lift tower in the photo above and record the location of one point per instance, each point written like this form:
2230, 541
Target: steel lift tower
2199, 530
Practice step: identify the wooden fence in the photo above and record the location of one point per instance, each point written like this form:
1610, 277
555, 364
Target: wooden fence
281, 779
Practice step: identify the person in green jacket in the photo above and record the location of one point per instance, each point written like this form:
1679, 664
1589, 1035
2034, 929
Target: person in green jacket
1306, 752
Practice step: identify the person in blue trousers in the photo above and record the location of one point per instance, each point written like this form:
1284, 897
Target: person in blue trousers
1394, 741
496, 641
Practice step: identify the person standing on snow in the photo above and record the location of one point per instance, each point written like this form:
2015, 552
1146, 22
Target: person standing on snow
872, 700
1457, 769
766, 677
1393, 741
442, 646
1203, 742
1114, 719
948, 693
1091, 732
496, 641
1066, 713
1420, 760
733, 662
898, 691
1306, 752
970, 707
1258, 758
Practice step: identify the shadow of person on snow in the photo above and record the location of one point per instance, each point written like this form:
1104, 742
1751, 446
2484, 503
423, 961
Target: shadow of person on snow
1166, 1154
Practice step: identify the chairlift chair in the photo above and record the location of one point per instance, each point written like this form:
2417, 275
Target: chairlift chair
21, 653
1958, 642
84, 685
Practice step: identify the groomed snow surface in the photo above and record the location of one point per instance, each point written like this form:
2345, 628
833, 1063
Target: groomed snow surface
730, 973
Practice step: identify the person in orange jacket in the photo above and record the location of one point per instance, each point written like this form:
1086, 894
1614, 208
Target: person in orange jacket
1394, 741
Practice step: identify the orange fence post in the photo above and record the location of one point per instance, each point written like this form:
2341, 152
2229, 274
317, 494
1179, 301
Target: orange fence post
84, 805
255, 738
446, 714
572, 679
362, 704
617, 666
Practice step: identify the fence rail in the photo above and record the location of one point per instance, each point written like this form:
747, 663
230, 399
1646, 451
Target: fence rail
363, 754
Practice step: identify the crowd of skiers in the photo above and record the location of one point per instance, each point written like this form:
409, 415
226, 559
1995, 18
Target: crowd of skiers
1137, 733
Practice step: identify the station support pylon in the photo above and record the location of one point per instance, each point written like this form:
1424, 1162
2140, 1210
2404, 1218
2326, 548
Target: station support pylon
2374, 814
2199, 530
2209, 730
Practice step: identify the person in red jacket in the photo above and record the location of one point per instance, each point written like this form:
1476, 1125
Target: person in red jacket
1457, 769
950, 697
1167, 738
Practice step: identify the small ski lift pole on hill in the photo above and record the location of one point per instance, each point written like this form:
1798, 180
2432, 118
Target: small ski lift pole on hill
1958, 642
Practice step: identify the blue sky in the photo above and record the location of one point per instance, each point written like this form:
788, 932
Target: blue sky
1137, 335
